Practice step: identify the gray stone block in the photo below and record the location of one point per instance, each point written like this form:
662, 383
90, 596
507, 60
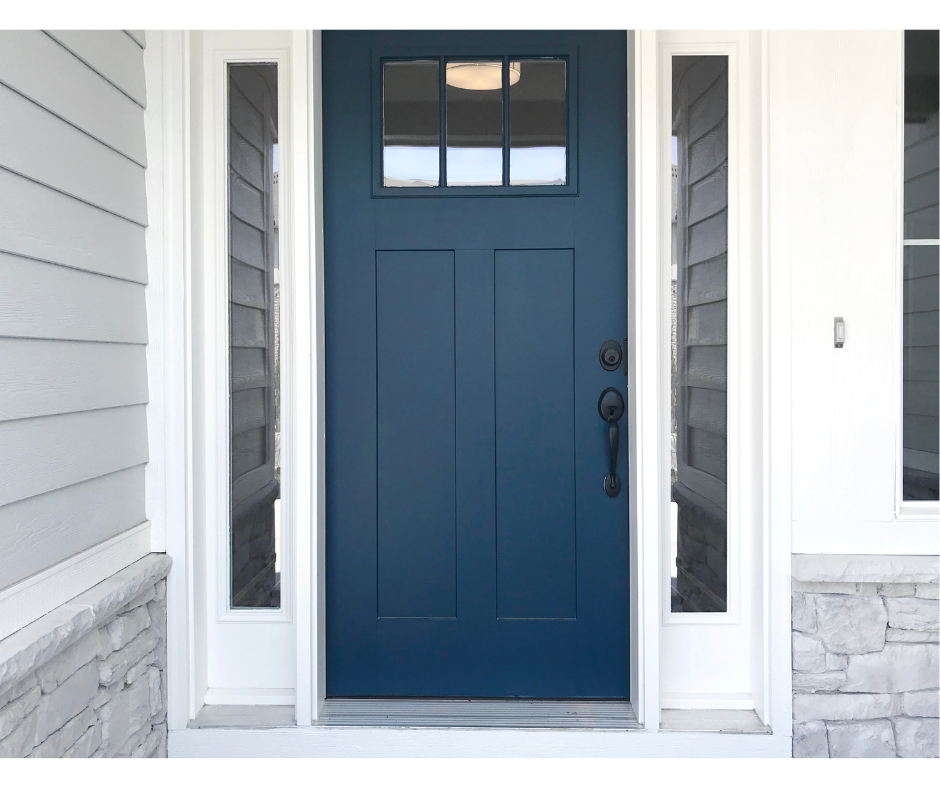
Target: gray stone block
851, 624
912, 613
17, 690
824, 588
134, 742
58, 669
157, 610
830, 568
872, 739
155, 684
141, 599
911, 636
56, 745
87, 743
818, 682
139, 669
14, 713
105, 694
126, 627
22, 740
894, 589
803, 612
160, 590
921, 704
844, 706
810, 740
917, 738
147, 749
124, 716
808, 653
160, 730
836, 662
115, 667
927, 591
899, 667
68, 699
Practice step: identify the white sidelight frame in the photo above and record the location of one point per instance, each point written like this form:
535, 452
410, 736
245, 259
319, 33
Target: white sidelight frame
757, 627
188, 485
705, 657
188, 460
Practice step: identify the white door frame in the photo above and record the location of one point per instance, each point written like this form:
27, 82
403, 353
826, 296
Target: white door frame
175, 415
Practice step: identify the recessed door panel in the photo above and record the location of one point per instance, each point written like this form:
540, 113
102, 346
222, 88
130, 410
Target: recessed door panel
535, 458
416, 442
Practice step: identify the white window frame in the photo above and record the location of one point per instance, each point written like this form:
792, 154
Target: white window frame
907, 511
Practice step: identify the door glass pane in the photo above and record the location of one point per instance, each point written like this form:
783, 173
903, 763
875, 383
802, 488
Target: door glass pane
921, 259
411, 130
475, 123
253, 337
699, 276
538, 120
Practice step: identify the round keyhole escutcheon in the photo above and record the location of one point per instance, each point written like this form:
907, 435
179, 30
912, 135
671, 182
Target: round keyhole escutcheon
611, 355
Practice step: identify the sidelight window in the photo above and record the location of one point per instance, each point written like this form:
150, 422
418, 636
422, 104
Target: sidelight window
921, 257
254, 357
699, 331
507, 125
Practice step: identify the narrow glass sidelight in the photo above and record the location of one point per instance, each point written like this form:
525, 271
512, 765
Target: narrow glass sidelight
538, 124
254, 356
474, 119
699, 329
411, 128
921, 326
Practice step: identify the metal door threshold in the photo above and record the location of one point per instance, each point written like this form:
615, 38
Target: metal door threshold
454, 713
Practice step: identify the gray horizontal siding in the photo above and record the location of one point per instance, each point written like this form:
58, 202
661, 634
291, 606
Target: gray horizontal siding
73, 270
46, 301
43, 530
115, 56
39, 455
39, 222
76, 93
41, 146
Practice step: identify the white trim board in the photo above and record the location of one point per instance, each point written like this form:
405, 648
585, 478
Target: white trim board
327, 742
31, 599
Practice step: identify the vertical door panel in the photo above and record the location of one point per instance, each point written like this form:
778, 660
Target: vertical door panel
535, 479
416, 434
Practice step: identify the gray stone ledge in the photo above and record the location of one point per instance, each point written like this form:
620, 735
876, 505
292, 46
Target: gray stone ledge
35, 644
821, 568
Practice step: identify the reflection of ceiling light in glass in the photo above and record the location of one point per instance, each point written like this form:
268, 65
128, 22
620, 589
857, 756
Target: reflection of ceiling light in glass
481, 76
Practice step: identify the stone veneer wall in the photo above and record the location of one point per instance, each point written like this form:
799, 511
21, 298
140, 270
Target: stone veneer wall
89, 678
865, 657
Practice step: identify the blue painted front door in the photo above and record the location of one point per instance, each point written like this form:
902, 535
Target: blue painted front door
471, 549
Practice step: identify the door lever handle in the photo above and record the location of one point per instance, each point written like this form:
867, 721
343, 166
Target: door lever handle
610, 407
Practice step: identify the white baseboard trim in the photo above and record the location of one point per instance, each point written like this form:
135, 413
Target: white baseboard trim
898, 537
219, 696
30, 599
325, 742
707, 700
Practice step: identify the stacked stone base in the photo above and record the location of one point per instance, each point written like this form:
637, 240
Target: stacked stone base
89, 679
865, 659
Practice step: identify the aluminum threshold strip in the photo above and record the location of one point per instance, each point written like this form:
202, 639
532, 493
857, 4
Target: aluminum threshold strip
453, 713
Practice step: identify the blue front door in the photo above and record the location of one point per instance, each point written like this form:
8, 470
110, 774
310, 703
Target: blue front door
475, 263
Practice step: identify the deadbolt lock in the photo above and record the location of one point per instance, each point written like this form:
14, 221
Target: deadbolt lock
611, 355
